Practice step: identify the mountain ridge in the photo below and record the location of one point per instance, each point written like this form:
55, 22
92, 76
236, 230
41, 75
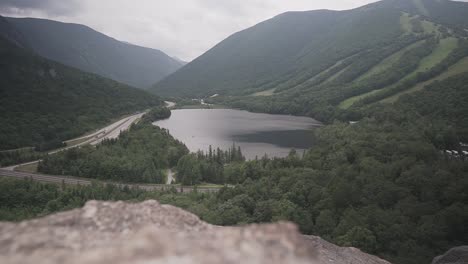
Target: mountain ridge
43, 103
280, 31
330, 65
84, 48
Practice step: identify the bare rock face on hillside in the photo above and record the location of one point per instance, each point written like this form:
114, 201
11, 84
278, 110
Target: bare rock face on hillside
118, 232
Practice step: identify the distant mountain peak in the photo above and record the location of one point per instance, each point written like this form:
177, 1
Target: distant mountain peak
84, 48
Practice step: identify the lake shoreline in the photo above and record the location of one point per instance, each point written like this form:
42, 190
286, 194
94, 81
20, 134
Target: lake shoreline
256, 133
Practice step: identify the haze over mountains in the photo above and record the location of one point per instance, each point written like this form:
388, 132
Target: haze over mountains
88, 50
43, 102
305, 62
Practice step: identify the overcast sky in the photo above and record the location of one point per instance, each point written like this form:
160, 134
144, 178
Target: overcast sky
181, 28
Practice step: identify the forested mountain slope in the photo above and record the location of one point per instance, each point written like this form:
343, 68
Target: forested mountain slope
276, 50
43, 102
331, 64
88, 50
10, 33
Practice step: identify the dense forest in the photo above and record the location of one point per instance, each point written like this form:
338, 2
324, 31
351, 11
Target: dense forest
384, 184
26, 199
211, 167
43, 103
141, 154
19, 156
381, 185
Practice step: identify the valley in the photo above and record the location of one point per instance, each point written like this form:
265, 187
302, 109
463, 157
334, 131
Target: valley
351, 124
84, 48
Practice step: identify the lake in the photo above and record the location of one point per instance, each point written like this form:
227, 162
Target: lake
256, 134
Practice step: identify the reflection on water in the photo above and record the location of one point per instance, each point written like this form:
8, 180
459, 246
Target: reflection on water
297, 139
257, 134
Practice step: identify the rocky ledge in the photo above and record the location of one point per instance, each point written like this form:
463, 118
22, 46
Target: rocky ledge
456, 255
118, 232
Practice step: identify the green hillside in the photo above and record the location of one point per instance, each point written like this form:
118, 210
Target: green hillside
43, 103
10, 33
88, 50
292, 46
330, 64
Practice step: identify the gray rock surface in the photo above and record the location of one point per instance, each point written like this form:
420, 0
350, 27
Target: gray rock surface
118, 232
456, 255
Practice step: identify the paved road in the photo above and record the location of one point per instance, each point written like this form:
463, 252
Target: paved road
169, 104
83, 181
111, 131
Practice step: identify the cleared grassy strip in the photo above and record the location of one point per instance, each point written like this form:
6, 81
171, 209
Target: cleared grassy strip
295, 82
420, 6
269, 92
350, 101
443, 49
405, 22
326, 71
429, 27
380, 68
319, 78
336, 75
459, 67
388, 62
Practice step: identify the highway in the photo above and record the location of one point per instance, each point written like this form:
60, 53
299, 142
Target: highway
69, 180
111, 131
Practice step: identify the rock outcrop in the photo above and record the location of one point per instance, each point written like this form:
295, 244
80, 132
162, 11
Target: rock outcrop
457, 255
118, 232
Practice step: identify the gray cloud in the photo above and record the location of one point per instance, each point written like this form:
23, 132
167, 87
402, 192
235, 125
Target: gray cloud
51, 7
182, 28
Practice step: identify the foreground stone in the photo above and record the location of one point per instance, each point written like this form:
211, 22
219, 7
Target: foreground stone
457, 255
118, 232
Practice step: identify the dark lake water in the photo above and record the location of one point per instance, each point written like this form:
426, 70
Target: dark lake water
256, 134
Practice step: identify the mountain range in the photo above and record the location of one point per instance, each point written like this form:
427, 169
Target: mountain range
81, 47
43, 102
328, 64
